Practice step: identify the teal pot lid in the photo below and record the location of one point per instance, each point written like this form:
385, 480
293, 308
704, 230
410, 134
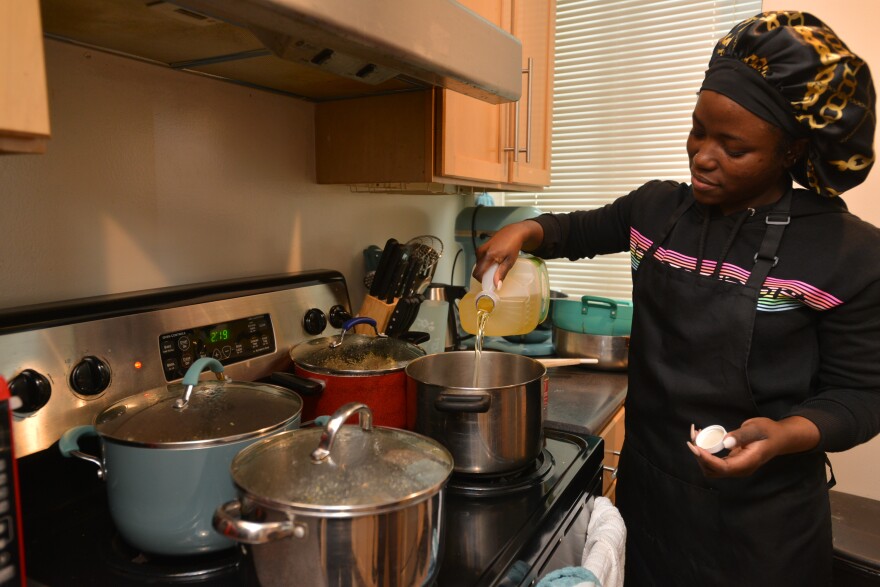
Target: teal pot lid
217, 412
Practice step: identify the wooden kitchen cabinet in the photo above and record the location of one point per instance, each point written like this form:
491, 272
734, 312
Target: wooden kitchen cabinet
24, 104
443, 137
612, 433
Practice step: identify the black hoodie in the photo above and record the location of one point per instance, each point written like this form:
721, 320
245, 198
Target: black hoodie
816, 343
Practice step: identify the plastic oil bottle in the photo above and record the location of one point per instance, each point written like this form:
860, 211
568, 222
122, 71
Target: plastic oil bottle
516, 307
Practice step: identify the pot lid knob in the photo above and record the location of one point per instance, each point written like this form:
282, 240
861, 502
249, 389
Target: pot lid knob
365, 418
191, 379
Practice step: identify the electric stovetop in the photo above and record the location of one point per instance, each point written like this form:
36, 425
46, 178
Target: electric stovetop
499, 530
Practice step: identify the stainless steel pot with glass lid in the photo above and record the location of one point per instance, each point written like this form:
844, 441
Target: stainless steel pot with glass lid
341, 504
166, 455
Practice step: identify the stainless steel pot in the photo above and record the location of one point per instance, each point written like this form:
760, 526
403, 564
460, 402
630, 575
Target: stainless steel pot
341, 505
493, 426
611, 352
166, 455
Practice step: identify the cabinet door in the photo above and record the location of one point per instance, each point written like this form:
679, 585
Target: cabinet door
534, 23
472, 132
24, 106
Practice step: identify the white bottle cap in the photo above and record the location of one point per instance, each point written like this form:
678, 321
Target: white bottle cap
711, 438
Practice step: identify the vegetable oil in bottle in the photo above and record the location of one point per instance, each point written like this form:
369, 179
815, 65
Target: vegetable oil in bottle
517, 306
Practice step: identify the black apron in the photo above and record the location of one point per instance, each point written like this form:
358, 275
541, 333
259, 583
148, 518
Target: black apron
690, 340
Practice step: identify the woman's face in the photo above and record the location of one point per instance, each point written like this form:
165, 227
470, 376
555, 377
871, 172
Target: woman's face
735, 156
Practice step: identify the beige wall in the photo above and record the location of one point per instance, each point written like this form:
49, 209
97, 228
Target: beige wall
155, 177
854, 21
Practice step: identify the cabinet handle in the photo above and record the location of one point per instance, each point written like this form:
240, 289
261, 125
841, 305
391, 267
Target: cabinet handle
612, 470
516, 148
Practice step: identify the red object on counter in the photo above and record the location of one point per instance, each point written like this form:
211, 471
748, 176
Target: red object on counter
11, 538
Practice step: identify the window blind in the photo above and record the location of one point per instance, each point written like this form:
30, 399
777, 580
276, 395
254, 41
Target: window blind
625, 83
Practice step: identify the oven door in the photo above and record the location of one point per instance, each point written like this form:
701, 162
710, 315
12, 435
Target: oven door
569, 546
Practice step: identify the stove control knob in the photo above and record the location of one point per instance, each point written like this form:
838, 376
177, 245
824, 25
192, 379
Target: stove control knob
339, 316
90, 376
314, 322
32, 389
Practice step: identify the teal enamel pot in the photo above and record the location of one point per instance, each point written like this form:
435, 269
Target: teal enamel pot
166, 455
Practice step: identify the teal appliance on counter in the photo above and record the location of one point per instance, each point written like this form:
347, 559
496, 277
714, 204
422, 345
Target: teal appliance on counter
473, 227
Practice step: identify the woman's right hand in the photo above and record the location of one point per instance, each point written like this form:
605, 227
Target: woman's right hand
504, 247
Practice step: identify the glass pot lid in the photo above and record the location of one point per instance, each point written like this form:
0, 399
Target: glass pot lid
215, 412
355, 354
343, 469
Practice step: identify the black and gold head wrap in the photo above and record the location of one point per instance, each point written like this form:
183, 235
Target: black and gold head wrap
790, 69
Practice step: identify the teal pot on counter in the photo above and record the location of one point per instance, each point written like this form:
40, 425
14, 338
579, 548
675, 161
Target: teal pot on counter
593, 315
166, 455
595, 328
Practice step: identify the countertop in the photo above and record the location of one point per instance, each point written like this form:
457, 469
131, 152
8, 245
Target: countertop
584, 400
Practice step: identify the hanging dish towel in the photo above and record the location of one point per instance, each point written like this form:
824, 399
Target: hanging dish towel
604, 552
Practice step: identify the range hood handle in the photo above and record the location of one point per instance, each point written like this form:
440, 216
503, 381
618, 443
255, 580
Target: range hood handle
516, 148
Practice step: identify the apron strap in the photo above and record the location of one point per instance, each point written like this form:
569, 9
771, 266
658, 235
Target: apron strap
765, 258
832, 481
679, 212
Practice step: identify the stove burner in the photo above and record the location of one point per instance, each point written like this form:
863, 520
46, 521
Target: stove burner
129, 561
480, 485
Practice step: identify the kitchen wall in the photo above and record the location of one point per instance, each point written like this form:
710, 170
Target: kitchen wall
155, 177
853, 21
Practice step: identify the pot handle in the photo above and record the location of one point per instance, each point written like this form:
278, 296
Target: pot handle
227, 520
469, 404
339, 417
351, 323
601, 302
68, 444
304, 385
191, 379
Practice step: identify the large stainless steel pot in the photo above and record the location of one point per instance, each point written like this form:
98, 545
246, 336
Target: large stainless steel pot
493, 426
354, 368
357, 506
611, 352
166, 455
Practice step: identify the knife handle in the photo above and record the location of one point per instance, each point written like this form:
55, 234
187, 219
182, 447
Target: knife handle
383, 268
398, 317
397, 274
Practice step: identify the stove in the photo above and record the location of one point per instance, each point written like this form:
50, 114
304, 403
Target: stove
67, 361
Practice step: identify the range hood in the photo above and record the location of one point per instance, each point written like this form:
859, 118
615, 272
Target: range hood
314, 49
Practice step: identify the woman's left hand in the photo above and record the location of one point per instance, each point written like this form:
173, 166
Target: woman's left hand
757, 441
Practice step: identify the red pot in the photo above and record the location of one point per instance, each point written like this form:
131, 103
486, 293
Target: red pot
355, 368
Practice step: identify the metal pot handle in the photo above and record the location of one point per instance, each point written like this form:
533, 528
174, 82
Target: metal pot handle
339, 417
470, 404
227, 520
68, 444
191, 379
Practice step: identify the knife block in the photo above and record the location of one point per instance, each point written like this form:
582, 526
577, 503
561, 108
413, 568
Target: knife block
377, 310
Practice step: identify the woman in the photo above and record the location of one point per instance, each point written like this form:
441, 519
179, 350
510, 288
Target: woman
757, 307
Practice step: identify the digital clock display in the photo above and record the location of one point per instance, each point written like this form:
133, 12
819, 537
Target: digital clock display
218, 335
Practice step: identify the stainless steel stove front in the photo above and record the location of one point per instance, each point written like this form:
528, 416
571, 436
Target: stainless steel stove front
70, 360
